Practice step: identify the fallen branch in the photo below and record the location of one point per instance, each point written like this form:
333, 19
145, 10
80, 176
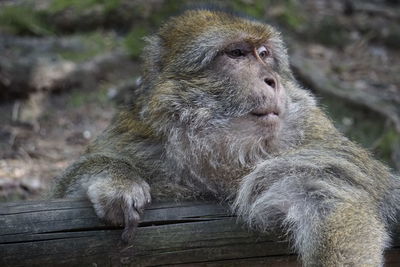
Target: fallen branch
67, 233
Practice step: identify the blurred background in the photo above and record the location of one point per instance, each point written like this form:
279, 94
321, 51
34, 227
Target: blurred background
67, 65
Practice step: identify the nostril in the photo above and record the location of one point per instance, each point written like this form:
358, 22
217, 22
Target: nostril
270, 82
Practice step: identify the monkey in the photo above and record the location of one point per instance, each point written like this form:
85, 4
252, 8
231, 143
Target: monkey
219, 114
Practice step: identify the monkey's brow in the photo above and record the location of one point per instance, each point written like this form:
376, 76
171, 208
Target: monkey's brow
242, 45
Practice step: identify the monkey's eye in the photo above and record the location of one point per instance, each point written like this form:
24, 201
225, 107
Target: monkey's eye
263, 52
235, 53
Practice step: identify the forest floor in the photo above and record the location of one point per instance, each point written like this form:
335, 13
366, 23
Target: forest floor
33, 155
60, 86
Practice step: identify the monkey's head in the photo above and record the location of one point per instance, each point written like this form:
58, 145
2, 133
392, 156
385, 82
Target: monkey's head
209, 68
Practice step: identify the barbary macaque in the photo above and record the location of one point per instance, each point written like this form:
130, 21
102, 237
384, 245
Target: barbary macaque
220, 115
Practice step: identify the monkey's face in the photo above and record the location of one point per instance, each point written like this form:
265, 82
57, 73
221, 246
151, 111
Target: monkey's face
217, 69
253, 93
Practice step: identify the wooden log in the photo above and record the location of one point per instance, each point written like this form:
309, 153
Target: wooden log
68, 233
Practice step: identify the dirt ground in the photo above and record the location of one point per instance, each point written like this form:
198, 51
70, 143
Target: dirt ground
347, 52
32, 156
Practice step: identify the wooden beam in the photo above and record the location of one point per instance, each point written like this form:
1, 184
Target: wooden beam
68, 233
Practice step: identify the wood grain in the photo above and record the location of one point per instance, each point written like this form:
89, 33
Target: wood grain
68, 233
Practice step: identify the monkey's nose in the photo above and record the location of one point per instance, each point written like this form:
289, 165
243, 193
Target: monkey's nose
270, 82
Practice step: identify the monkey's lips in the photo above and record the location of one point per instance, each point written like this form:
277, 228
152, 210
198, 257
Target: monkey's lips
266, 115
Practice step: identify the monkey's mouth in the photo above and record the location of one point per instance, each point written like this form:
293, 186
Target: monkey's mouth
265, 113
266, 116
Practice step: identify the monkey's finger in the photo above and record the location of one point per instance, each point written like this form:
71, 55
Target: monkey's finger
141, 197
131, 219
147, 193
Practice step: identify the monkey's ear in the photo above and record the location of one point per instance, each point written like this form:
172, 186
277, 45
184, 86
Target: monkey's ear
152, 56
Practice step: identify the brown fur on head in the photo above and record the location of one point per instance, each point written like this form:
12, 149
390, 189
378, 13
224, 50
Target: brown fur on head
189, 42
195, 80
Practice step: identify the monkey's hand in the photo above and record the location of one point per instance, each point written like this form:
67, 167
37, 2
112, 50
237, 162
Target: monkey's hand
119, 201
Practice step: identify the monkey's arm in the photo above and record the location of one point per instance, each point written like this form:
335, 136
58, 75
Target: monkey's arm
114, 173
324, 201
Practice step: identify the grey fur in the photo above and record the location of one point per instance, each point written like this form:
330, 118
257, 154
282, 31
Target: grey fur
189, 135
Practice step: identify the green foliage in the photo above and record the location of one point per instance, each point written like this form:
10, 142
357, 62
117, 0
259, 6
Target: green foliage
389, 140
81, 5
356, 122
291, 16
393, 38
166, 10
363, 126
23, 20
78, 98
95, 43
254, 8
134, 42
329, 32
